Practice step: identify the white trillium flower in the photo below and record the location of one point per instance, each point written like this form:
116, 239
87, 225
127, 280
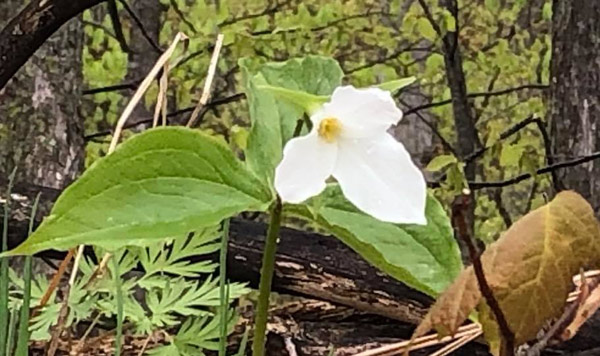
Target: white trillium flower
350, 142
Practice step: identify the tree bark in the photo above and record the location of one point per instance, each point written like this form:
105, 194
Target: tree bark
41, 132
26, 32
574, 87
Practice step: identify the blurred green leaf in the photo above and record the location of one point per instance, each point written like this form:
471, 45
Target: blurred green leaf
440, 162
395, 85
426, 29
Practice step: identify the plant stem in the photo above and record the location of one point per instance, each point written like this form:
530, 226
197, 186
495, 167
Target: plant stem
266, 277
222, 284
12, 323
23, 336
508, 337
4, 269
119, 297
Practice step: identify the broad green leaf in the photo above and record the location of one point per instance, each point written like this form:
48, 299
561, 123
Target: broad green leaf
273, 120
529, 270
395, 85
309, 103
440, 162
426, 258
164, 182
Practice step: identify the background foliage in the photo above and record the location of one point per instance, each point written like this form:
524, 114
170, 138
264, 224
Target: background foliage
505, 52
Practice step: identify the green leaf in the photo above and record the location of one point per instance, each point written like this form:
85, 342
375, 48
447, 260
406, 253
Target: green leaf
426, 257
164, 182
492, 5
511, 154
449, 22
547, 11
395, 85
425, 29
181, 297
440, 162
273, 120
309, 103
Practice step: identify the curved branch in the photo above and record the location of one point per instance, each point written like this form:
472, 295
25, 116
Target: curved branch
29, 29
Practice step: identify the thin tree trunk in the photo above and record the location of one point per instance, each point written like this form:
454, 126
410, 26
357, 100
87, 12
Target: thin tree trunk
574, 92
143, 54
41, 132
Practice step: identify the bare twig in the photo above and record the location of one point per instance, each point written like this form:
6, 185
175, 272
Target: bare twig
145, 344
462, 231
182, 17
140, 25
435, 131
448, 349
124, 86
388, 58
267, 11
100, 26
87, 332
422, 342
548, 169
113, 12
317, 28
479, 95
208, 82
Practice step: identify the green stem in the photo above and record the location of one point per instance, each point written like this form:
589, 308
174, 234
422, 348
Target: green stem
222, 292
4, 269
266, 277
12, 324
119, 296
23, 336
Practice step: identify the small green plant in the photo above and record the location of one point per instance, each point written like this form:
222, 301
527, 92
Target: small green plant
179, 295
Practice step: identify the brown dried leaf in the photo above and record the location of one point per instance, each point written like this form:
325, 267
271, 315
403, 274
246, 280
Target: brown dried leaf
529, 270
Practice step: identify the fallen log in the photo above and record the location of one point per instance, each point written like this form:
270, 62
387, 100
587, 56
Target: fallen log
340, 300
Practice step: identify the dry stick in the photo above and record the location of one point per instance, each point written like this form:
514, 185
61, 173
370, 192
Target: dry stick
421, 342
145, 345
209, 79
142, 89
161, 98
87, 332
484, 287
56, 279
446, 350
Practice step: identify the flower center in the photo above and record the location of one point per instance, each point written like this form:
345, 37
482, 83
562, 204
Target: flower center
330, 128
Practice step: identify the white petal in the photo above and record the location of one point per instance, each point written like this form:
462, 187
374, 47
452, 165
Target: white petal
379, 178
307, 162
362, 112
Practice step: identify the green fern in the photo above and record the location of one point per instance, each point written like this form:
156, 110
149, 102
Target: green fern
195, 335
175, 293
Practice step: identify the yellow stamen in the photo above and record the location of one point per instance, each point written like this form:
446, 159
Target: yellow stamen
330, 128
